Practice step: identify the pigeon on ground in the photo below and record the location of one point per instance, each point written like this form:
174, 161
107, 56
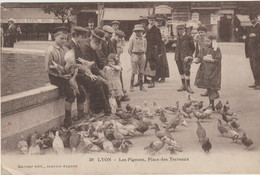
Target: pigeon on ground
201, 133
206, 145
246, 141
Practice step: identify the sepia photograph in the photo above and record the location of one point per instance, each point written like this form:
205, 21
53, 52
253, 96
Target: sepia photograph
130, 87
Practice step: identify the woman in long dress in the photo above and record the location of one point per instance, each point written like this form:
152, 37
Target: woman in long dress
162, 70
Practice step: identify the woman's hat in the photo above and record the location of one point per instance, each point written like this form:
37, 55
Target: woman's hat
61, 28
143, 18
138, 27
115, 22
98, 33
203, 28
108, 29
120, 33
151, 16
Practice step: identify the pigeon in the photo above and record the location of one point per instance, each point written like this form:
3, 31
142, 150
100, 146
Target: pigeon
206, 145
34, 146
23, 145
172, 143
246, 141
232, 134
227, 118
129, 108
198, 105
222, 129
142, 127
57, 144
189, 102
201, 133
157, 108
234, 124
158, 131
74, 140
173, 109
177, 121
155, 146
208, 112
219, 106
108, 146
162, 118
146, 109
227, 105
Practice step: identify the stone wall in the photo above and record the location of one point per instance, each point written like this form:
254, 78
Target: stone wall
35, 110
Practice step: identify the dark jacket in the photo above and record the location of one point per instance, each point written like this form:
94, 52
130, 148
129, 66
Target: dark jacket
252, 45
107, 48
72, 45
185, 47
89, 54
154, 41
209, 74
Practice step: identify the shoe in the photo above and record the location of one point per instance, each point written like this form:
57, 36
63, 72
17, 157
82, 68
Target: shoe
131, 89
182, 88
152, 85
161, 80
146, 81
204, 94
142, 88
125, 98
252, 86
189, 90
257, 87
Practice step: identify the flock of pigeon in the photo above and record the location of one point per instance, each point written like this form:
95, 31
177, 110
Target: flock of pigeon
114, 133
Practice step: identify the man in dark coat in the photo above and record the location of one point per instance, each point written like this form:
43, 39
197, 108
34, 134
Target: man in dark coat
252, 49
99, 96
107, 46
11, 33
154, 51
183, 57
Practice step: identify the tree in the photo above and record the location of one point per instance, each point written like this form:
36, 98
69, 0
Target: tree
62, 12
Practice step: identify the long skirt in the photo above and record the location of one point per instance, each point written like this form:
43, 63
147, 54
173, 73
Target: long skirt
162, 69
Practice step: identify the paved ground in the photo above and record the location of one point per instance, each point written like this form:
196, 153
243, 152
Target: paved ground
225, 156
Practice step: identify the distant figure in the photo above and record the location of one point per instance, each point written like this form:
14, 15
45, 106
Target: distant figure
91, 26
19, 33
252, 48
11, 33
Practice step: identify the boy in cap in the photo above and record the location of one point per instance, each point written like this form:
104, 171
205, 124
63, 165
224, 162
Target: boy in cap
137, 49
183, 56
90, 26
252, 47
55, 66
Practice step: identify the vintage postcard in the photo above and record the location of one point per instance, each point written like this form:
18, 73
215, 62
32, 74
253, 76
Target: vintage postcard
155, 87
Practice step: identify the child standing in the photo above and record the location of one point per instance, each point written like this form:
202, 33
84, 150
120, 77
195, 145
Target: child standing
209, 73
137, 49
112, 72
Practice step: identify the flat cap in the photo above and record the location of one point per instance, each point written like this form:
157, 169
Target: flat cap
108, 29
120, 33
115, 22
61, 28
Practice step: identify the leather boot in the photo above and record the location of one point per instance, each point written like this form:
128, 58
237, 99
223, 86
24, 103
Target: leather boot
182, 88
205, 94
152, 85
141, 86
189, 90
